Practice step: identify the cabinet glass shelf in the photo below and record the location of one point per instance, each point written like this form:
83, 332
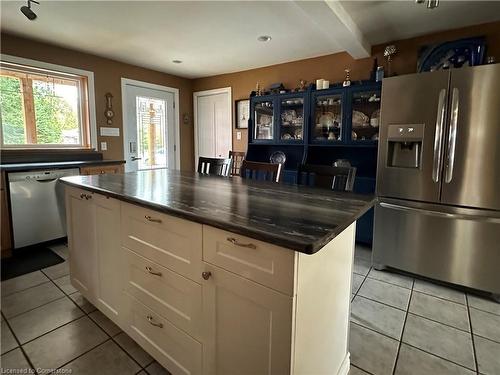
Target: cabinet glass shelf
327, 118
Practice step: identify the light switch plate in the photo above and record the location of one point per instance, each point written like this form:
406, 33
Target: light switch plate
110, 132
238, 136
104, 146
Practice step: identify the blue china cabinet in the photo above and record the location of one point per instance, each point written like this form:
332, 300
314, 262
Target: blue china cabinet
320, 127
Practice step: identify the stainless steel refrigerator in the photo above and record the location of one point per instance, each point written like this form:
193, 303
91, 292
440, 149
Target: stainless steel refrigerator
438, 177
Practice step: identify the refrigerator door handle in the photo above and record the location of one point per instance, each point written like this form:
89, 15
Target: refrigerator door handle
438, 138
452, 136
448, 215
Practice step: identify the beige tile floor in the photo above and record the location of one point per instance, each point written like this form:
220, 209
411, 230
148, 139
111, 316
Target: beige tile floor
399, 325
47, 324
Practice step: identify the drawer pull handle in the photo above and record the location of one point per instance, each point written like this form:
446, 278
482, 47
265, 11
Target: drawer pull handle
234, 241
150, 270
86, 196
149, 218
150, 320
206, 275
83, 195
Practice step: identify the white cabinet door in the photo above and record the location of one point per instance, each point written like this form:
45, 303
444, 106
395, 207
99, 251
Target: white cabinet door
109, 258
247, 326
82, 242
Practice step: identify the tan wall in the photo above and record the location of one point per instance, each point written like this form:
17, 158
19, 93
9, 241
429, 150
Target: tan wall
332, 67
107, 77
107, 74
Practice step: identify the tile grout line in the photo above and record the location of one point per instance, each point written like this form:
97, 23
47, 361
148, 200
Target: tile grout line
85, 314
436, 321
359, 368
441, 298
403, 330
20, 347
92, 320
34, 308
471, 335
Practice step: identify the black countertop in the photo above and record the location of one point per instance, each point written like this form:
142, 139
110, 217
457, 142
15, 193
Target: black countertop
56, 164
296, 217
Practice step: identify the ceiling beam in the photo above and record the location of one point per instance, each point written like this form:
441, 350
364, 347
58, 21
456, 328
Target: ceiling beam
336, 23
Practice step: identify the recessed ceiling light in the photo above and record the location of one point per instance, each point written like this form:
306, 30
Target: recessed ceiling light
264, 38
177, 61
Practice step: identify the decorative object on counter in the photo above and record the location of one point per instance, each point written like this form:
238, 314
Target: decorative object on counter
490, 60
277, 88
109, 113
379, 75
258, 90
373, 72
452, 54
319, 84
389, 51
326, 84
242, 113
277, 157
347, 80
302, 86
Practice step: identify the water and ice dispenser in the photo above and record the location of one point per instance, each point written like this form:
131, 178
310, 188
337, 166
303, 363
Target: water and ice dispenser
405, 145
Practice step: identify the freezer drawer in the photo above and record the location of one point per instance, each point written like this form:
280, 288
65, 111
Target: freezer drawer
456, 245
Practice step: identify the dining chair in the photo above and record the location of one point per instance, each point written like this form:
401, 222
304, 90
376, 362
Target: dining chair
325, 176
260, 171
214, 166
237, 157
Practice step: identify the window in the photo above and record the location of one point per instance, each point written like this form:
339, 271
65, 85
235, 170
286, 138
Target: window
42, 108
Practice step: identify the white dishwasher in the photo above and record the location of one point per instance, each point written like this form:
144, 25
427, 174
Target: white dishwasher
37, 205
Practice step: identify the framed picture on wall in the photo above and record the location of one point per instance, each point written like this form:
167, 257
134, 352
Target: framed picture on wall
242, 113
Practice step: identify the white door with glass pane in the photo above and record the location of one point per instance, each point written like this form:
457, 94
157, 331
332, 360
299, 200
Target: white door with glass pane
149, 128
213, 131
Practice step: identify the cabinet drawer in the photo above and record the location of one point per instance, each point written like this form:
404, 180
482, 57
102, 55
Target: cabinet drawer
266, 264
172, 348
171, 295
171, 242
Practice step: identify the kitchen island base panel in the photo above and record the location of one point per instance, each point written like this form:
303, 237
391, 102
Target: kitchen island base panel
241, 321
323, 290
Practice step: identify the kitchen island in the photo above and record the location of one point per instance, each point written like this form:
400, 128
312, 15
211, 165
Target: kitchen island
218, 275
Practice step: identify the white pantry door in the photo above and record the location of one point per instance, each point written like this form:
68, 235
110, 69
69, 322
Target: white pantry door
149, 128
213, 130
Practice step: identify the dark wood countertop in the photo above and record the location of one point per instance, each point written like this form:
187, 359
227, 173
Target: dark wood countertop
296, 217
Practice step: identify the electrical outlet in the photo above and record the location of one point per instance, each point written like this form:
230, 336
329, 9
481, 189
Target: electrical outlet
104, 146
238, 136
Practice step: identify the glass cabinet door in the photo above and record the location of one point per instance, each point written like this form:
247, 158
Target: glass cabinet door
365, 116
264, 120
327, 118
291, 122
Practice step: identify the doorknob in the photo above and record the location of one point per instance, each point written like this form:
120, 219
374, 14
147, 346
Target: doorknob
134, 158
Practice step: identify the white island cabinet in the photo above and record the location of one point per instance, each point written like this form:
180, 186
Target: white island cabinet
203, 300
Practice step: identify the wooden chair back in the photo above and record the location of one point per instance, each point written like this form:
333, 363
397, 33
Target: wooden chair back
260, 171
214, 166
335, 178
237, 157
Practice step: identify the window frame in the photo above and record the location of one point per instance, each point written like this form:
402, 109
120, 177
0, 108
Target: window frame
87, 101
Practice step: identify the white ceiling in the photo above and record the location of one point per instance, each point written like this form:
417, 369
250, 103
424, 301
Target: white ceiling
220, 37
